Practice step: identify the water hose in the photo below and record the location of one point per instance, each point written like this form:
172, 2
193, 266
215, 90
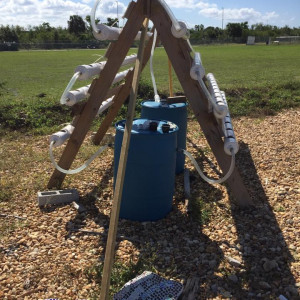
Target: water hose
64, 98
203, 176
93, 14
156, 96
82, 167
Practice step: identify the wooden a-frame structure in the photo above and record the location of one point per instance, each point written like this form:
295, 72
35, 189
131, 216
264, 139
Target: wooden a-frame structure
179, 53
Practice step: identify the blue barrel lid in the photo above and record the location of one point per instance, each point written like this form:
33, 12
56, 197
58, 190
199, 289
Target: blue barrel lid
143, 126
154, 104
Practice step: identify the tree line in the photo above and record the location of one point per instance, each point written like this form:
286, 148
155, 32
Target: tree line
78, 34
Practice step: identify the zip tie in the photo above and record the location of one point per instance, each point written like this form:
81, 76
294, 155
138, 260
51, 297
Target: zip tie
82, 167
203, 176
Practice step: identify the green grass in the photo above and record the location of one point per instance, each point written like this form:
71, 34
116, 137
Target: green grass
257, 80
121, 273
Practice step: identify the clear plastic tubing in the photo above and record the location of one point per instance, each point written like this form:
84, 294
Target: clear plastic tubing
156, 96
197, 67
175, 23
82, 167
64, 97
203, 176
93, 14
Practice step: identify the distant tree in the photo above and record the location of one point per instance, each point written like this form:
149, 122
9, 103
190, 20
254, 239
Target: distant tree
199, 27
88, 21
8, 34
236, 29
76, 25
112, 22
212, 32
8, 39
286, 30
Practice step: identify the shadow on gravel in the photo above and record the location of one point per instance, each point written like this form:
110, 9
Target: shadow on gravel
266, 272
77, 224
174, 247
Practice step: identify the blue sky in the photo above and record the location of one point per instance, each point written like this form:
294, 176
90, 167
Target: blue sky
193, 12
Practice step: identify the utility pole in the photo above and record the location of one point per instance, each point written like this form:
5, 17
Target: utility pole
222, 17
118, 13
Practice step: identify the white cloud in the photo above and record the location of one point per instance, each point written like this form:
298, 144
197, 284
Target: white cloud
55, 12
239, 15
211, 10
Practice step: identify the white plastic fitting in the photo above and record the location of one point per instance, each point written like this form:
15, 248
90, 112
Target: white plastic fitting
105, 32
61, 136
220, 108
183, 32
197, 68
230, 141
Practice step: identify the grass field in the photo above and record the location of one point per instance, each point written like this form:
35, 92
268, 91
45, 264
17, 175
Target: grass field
57, 252
257, 79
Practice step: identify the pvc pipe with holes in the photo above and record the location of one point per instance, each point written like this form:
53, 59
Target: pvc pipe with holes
89, 71
79, 94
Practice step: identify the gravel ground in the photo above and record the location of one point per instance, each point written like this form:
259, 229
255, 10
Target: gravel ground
238, 254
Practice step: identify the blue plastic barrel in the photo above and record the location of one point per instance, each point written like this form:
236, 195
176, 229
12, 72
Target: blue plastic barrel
176, 113
150, 171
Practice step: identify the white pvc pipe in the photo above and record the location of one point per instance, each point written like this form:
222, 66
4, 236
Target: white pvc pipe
76, 96
105, 105
121, 75
89, 71
220, 107
61, 136
230, 141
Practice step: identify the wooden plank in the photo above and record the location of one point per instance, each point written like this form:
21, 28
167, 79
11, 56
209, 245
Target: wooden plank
121, 97
129, 10
114, 109
190, 289
170, 79
98, 92
78, 107
178, 51
187, 189
113, 225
